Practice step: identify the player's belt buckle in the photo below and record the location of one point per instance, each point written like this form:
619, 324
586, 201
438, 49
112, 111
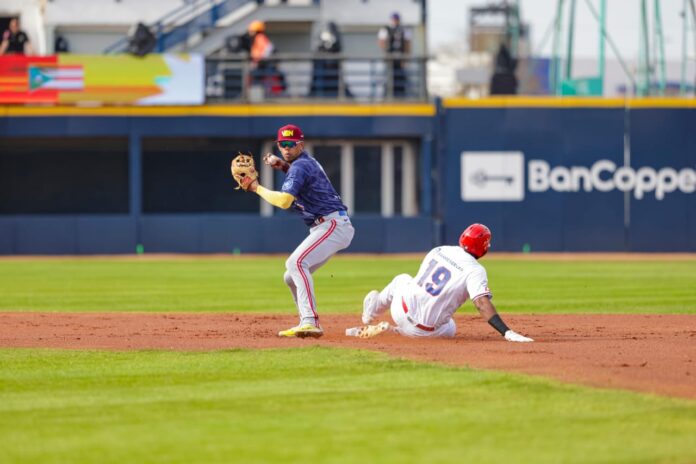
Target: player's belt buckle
323, 219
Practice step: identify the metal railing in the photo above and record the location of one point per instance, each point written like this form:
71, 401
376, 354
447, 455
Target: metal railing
174, 28
317, 76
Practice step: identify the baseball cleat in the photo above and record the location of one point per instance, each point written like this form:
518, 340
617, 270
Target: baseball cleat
370, 331
302, 331
370, 306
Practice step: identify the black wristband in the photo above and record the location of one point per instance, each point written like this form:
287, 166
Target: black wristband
497, 323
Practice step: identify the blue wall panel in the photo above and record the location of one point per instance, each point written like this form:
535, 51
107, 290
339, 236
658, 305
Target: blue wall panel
408, 235
224, 234
369, 235
166, 234
282, 234
664, 138
573, 137
100, 234
197, 234
67, 234
261, 127
7, 236
46, 235
545, 221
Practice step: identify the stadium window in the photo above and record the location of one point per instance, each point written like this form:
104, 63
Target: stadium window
192, 175
368, 183
407, 181
398, 174
389, 183
70, 175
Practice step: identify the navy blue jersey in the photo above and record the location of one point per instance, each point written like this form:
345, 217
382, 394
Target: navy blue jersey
313, 192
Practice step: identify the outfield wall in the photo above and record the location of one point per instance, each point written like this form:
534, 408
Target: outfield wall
105, 180
542, 173
578, 175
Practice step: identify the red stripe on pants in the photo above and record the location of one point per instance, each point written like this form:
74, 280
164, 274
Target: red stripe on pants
299, 266
420, 326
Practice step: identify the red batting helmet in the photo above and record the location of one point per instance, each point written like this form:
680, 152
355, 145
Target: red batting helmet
476, 239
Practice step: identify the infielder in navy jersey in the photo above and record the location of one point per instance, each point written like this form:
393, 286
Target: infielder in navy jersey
309, 192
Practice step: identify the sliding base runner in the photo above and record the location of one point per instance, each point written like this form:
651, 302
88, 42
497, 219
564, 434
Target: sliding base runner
423, 306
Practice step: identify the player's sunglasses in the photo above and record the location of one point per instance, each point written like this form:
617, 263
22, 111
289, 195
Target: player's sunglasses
287, 144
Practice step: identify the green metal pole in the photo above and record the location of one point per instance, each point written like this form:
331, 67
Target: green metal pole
515, 31
555, 60
660, 49
644, 55
602, 28
571, 36
685, 28
611, 43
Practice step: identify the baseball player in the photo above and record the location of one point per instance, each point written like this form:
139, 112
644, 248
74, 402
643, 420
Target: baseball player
422, 306
309, 192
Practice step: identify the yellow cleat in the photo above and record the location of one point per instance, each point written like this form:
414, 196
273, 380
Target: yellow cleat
302, 331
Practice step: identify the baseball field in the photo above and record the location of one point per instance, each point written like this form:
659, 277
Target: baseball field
175, 359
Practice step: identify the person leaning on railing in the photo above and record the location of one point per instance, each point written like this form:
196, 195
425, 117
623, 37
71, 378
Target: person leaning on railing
326, 71
264, 71
395, 39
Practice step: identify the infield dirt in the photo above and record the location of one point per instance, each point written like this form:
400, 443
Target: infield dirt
647, 353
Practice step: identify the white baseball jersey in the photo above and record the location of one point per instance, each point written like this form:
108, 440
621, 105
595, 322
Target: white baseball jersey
447, 277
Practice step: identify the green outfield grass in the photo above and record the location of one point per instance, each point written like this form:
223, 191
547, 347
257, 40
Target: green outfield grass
317, 405
320, 404
256, 285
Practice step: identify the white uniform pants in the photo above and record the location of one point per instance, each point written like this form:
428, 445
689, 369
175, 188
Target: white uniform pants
402, 286
323, 241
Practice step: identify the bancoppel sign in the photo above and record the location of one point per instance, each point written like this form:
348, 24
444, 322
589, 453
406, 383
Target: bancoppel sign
490, 176
605, 176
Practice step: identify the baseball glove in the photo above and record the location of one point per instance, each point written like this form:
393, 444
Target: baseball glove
244, 171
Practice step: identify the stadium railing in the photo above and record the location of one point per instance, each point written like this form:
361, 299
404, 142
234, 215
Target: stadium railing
175, 27
316, 76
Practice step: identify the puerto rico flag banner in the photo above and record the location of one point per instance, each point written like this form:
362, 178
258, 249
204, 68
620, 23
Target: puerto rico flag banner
64, 78
70, 79
14, 79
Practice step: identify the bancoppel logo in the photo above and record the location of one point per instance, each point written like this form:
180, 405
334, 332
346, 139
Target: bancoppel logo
605, 176
492, 176
499, 176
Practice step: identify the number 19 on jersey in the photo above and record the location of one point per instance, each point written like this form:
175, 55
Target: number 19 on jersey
435, 278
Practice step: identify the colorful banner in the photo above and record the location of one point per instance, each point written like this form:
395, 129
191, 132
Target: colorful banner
102, 79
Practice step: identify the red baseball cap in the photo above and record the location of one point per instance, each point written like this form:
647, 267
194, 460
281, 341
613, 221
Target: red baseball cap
290, 132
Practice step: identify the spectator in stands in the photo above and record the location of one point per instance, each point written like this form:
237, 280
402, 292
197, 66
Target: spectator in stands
60, 45
395, 40
504, 81
263, 70
15, 41
326, 71
261, 45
